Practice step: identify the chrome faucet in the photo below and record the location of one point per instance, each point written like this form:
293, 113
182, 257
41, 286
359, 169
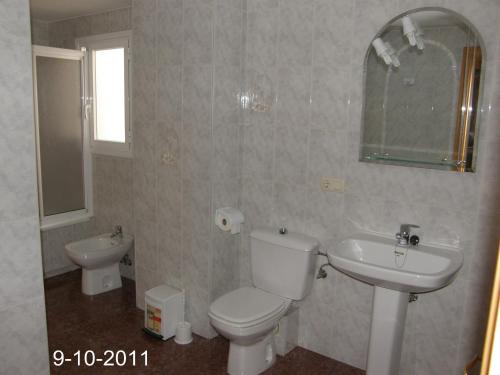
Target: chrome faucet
118, 232
405, 237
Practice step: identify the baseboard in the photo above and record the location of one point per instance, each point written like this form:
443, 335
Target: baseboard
60, 271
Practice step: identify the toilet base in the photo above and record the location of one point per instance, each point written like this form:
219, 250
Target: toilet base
100, 280
252, 359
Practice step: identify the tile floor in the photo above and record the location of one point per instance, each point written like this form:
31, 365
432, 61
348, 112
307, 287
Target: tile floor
112, 322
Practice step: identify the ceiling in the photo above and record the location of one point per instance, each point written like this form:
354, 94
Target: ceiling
53, 10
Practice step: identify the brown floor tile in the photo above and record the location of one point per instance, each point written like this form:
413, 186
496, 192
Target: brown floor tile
110, 321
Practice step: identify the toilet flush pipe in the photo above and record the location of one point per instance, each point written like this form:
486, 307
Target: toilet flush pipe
321, 272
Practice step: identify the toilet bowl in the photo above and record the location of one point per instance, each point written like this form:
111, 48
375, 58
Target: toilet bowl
248, 317
282, 271
99, 258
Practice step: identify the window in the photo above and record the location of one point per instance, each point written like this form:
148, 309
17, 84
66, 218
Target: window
108, 101
109, 96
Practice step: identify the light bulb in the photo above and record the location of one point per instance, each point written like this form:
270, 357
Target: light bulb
413, 32
409, 30
392, 53
385, 51
418, 37
420, 43
381, 50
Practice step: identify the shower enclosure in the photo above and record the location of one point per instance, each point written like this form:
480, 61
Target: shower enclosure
63, 159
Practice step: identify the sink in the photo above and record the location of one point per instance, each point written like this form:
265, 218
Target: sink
395, 271
372, 259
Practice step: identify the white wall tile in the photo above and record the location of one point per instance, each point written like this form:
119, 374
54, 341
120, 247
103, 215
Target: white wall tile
319, 103
21, 265
23, 343
24, 346
312, 54
187, 147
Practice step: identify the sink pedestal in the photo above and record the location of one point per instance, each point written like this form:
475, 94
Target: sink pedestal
386, 331
373, 259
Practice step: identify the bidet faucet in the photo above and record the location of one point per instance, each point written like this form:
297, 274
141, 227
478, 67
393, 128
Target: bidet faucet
118, 232
404, 237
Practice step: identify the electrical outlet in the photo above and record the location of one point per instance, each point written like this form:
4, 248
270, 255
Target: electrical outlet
333, 184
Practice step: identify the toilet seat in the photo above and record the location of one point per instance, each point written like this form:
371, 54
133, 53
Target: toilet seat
246, 307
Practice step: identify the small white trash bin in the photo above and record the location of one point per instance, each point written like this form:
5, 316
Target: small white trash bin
164, 308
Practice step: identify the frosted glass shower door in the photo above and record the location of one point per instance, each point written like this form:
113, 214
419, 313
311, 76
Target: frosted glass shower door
60, 135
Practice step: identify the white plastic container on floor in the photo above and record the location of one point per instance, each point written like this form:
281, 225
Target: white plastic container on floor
164, 308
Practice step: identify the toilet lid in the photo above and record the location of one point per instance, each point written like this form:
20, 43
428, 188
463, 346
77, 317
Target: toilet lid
246, 305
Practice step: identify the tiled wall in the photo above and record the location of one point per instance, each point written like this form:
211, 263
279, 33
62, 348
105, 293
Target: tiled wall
186, 79
112, 176
62, 34
193, 153
313, 53
54, 256
113, 200
23, 347
40, 33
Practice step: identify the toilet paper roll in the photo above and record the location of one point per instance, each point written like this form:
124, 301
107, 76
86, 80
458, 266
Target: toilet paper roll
229, 219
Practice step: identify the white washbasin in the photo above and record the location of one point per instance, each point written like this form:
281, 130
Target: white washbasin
372, 259
394, 271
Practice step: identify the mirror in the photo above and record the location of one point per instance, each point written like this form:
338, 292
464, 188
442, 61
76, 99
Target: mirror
423, 73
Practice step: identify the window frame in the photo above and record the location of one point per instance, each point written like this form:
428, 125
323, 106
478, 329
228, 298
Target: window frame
103, 42
76, 216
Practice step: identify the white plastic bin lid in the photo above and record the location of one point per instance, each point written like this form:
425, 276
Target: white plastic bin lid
162, 292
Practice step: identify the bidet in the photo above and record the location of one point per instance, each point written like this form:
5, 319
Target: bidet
99, 258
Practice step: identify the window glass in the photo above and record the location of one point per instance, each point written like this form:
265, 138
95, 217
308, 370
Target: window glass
60, 134
109, 95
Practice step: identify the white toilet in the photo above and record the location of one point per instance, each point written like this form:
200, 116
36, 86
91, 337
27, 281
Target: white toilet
282, 271
99, 258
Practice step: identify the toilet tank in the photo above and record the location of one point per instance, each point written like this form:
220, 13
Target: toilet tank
283, 264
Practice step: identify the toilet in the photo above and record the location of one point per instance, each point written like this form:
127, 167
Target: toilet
99, 258
283, 267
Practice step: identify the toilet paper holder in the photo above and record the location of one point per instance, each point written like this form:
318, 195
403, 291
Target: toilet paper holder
229, 219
